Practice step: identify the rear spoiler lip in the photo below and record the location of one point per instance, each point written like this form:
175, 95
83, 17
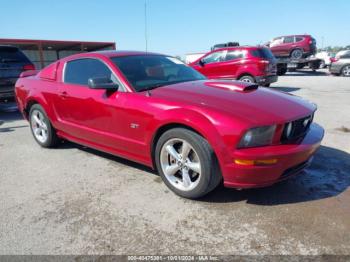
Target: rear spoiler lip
29, 73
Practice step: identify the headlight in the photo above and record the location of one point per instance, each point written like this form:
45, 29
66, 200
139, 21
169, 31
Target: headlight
258, 136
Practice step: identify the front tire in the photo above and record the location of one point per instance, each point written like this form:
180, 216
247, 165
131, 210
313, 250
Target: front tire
40, 125
187, 163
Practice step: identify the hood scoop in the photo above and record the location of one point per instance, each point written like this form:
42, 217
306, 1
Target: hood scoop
233, 85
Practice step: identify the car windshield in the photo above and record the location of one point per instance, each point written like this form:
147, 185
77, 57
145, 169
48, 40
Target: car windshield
145, 72
11, 54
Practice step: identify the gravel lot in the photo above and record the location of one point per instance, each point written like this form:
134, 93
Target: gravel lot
75, 200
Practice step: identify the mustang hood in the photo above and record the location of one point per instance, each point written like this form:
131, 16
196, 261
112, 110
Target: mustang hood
247, 102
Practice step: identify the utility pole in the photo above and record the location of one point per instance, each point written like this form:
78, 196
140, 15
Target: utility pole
146, 35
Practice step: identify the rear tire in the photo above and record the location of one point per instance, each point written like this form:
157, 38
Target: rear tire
40, 125
296, 54
323, 64
247, 79
186, 163
282, 71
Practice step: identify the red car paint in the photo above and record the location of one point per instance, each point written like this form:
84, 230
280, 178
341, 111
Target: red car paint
284, 45
221, 111
257, 62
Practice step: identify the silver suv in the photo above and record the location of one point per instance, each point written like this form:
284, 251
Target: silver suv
340, 65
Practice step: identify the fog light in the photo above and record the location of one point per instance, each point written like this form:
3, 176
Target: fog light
259, 162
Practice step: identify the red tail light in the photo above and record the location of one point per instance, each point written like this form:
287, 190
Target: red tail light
264, 65
333, 59
28, 67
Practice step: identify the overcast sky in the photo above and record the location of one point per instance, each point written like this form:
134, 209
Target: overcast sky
176, 27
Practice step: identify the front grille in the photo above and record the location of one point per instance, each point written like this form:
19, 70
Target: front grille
296, 129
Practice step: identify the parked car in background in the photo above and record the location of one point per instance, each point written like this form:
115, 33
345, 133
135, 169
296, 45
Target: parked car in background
12, 63
325, 58
248, 64
340, 64
293, 46
158, 111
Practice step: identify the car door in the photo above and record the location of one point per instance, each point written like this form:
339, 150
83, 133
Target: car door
92, 115
231, 64
288, 45
211, 65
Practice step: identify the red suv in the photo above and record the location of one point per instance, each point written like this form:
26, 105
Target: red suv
293, 46
248, 64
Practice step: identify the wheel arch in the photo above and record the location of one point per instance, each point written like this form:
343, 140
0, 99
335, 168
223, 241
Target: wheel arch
28, 105
164, 128
30, 101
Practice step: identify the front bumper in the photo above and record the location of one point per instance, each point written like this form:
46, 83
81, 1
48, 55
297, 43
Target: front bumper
264, 80
291, 159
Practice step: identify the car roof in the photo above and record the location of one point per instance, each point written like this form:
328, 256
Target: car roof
107, 53
292, 35
9, 47
342, 52
239, 48
114, 53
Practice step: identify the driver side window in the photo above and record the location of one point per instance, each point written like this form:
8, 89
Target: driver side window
79, 71
215, 57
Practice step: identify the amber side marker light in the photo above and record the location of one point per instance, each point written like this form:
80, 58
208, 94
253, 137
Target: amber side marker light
260, 162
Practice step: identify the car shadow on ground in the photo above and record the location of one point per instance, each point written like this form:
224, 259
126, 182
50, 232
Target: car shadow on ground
307, 72
328, 176
8, 117
285, 89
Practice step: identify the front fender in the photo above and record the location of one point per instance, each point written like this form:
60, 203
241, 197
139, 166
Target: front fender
202, 124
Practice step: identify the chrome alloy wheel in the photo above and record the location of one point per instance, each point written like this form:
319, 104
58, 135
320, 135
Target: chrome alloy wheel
180, 164
246, 80
39, 127
346, 70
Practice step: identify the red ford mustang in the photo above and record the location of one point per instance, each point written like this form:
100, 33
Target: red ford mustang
155, 110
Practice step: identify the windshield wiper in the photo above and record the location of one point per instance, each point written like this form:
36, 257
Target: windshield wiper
152, 87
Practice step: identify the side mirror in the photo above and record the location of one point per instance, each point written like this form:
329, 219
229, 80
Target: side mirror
201, 62
102, 83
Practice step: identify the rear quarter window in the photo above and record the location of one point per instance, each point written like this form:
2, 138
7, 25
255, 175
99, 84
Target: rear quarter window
264, 53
